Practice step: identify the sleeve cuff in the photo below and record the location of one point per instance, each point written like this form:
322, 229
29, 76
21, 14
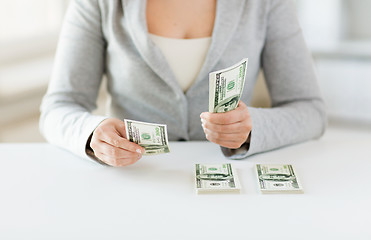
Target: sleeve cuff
90, 152
239, 153
90, 125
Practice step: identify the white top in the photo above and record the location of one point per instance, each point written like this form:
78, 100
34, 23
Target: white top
185, 56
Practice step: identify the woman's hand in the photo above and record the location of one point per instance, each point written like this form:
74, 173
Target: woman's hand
111, 146
230, 129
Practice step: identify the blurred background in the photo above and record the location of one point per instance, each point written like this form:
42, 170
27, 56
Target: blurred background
338, 33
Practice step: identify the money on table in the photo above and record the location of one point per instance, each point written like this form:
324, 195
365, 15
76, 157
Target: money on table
274, 178
216, 178
153, 137
226, 87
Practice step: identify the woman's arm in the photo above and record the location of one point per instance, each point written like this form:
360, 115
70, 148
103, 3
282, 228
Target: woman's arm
298, 111
66, 118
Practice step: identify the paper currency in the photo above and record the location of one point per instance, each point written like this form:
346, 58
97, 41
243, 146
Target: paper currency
226, 87
278, 179
216, 178
151, 136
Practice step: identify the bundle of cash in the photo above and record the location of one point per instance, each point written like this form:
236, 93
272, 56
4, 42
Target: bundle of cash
216, 178
226, 87
151, 136
278, 179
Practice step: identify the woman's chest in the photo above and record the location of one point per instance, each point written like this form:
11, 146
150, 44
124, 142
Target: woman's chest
181, 19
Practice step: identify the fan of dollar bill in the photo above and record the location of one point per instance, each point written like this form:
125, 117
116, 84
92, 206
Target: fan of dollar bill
226, 87
151, 136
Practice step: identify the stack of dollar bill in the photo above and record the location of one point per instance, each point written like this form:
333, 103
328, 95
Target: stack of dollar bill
226, 87
153, 137
278, 179
216, 178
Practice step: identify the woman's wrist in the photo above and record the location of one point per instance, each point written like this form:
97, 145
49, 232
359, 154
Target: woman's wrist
90, 152
241, 151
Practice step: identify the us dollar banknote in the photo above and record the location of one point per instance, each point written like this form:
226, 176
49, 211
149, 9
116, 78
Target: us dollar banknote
226, 87
216, 178
153, 137
275, 178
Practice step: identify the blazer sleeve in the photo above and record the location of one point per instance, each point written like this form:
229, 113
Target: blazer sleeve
298, 111
66, 118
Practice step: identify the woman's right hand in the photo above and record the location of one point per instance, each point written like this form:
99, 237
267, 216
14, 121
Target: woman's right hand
111, 146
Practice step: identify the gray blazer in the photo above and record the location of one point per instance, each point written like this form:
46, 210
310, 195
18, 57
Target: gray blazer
110, 37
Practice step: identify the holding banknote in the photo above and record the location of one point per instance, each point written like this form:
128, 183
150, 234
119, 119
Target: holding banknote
228, 121
110, 145
151, 136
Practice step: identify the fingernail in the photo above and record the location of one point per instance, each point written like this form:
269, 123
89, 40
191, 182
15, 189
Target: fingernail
203, 126
202, 120
139, 151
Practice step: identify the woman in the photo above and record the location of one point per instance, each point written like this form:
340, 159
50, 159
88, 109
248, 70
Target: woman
157, 54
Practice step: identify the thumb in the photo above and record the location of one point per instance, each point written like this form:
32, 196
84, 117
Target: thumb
242, 104
119, 127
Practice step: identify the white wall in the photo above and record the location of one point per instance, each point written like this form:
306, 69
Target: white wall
339, 34
358, 17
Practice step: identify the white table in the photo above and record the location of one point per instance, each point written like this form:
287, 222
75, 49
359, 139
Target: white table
48, 193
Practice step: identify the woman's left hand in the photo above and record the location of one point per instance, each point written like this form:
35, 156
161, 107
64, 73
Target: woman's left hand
230, 129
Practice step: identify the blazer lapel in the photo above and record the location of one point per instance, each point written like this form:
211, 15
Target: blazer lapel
135, 11
228, 15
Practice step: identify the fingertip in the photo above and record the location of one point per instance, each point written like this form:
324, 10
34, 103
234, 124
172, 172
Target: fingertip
204, 115
133, 147
242, 104
140, 151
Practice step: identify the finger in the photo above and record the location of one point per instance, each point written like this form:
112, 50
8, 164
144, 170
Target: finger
219, 137
121, 162
226, 143
219, 118
241, 104
112, 151
120, 128
239, 127
237, 115
116, 141
118, 162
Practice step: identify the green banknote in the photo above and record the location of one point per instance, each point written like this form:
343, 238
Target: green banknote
216, 178
226, 87
274, 178
153, 137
